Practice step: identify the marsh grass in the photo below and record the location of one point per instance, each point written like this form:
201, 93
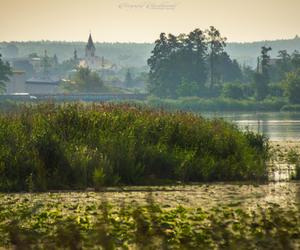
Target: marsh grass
76, 146
198, 104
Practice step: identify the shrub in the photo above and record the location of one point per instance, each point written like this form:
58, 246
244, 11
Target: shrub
292, 87
186, 88
233, 90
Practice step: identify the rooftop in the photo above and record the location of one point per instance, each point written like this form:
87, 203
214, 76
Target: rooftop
43, 80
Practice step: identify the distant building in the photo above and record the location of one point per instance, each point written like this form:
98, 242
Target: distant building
36, 63
17, 82
92, 61
44, 85
22, 64
31, 76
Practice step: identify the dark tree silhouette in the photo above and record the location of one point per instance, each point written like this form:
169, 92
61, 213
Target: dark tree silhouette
5, 72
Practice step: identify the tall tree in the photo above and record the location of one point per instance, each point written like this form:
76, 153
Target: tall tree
157, 63
265, 61
283, 65
175, 58
228, 70
216, 44
5, 72
248, 74
296, 59
262, 77
196, 47
292, 86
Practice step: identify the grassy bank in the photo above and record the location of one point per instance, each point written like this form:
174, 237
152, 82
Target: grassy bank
76, 146
45, 222
197, 104
291, 108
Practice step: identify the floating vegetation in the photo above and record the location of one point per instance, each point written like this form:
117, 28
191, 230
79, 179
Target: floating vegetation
44, 221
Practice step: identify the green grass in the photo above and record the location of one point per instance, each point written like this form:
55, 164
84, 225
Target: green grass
291, 108
75, 146
197, 104
48, 222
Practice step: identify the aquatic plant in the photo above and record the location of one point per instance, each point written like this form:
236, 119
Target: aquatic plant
46, 222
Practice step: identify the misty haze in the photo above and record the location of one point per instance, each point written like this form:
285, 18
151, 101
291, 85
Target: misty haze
149, 124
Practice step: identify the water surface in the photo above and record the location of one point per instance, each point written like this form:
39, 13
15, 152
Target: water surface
278, 126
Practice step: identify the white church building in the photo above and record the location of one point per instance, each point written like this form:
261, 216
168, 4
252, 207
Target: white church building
92, 61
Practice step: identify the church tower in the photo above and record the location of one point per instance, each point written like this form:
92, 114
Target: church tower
90, 48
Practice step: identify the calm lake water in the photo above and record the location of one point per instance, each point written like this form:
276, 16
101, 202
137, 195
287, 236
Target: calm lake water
278, 126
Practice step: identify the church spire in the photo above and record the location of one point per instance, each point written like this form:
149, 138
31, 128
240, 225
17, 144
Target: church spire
90, 43
90, 47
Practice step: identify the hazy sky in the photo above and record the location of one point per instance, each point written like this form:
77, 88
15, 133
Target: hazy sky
143, 20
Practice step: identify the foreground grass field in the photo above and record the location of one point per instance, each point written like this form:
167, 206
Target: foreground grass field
218, 216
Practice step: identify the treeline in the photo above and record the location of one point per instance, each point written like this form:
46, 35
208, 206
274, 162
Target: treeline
136, 54
279, 77
191, 64
247, 52
197, 64
124, 54
74, 146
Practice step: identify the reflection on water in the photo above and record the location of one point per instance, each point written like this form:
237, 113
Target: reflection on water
281, 171
278, 126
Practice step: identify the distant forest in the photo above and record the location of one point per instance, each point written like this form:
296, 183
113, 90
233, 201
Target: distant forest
136, 54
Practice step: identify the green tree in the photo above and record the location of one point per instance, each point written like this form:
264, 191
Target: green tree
188, 88
283, 65
5, 72
285, 61
265, 61
158, 64
292, 86
262, 77
86, 81
228, 70
174, 58
296, 59
247, 74
216, 44
233, 90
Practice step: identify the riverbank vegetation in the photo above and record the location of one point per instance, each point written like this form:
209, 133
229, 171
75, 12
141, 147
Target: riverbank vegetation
197, 65
75, 146
198, 104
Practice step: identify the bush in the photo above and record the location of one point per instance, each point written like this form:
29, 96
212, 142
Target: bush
76, 146
292, 87
233, 90
186, 88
